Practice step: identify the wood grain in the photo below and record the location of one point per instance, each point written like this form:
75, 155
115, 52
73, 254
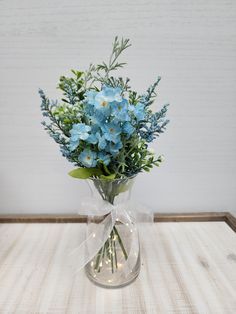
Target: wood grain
158, 217
231, 221
187, 268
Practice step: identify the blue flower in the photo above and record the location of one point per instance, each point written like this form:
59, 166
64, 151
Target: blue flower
97, 117
128, 128
88, 109
73, 145
105, 158
90, 96
120, 110
102, 104
88, 158
78, 132
139, 111
88, 104
114, 148
112, 94
102, 143
111, 132
92, 139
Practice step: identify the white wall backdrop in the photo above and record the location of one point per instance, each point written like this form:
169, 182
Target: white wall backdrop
191, 44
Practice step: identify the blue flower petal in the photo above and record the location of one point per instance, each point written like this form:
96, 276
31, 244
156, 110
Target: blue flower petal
88, 158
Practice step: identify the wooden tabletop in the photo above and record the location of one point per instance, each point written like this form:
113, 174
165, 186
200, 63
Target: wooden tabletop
187, 267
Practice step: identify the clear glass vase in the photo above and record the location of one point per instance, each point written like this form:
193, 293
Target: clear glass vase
117, 263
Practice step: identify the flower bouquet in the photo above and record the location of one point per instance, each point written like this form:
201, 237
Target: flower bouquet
104, 128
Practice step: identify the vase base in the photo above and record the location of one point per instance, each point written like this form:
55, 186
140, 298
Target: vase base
110, 285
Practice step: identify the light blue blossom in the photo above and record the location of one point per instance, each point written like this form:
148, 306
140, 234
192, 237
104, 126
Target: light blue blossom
120, 110
90, 96
101, 100
95, 128
102, 104
104, 158
88, 109
112, 94
97, 118
88, 104
102, 143
114, 148
128, 128
73, 145
139, 111
88, 158
92, 139
111, 132
79, 131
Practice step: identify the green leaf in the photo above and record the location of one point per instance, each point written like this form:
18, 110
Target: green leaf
124, 187
65, 100
109, 177
78, 74
84, 173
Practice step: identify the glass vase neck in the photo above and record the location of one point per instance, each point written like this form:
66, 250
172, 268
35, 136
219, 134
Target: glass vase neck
113, 191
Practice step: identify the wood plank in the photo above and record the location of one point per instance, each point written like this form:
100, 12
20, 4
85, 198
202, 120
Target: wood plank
42, 218
231, 221
187, 267
181, 217
158, 217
